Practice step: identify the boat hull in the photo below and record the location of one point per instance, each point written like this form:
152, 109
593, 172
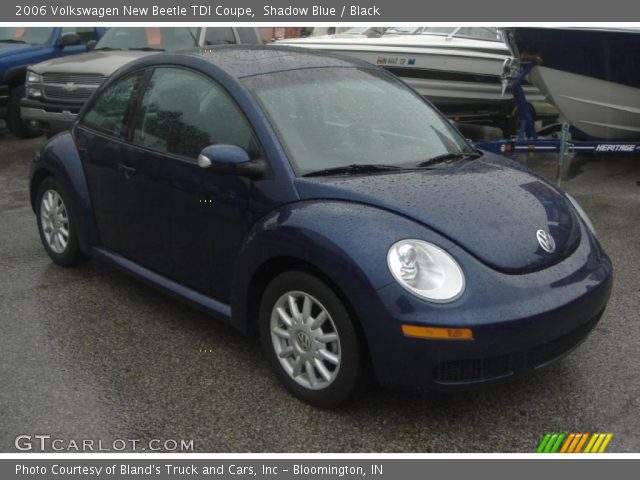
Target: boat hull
599, 108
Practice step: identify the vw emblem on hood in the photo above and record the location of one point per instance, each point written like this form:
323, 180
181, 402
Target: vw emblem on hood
546, 241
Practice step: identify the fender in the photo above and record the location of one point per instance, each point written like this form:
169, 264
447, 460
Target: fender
15, 73
59, 159
346, 241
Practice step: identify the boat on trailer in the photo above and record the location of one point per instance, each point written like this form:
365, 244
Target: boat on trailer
457, 68
591, 75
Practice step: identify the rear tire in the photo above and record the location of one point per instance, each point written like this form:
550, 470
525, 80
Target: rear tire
15, 123
57, 224
310, 340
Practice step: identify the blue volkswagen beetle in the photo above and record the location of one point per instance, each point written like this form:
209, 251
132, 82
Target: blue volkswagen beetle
320, 203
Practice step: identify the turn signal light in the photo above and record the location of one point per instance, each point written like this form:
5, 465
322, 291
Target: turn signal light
437, 333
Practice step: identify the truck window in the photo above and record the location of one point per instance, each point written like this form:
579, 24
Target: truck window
217, 35
85, 33
29, 35
248, 35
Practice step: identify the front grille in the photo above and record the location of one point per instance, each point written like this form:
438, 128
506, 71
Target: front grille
70, 87
77, 78
549, 351
472, 370
57, 92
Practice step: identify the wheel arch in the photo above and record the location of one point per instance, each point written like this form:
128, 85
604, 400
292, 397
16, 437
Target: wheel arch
58, 159
275, 266
270, 269
38, 176
16, 75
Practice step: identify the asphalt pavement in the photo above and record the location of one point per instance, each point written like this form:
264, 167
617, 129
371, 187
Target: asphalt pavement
91, 354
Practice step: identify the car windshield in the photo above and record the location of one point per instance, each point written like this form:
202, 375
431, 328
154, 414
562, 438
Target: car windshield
328, 118
147, 38
29, 35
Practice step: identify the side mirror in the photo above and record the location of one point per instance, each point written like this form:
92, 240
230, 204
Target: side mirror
232, 160
91, 44
68, 40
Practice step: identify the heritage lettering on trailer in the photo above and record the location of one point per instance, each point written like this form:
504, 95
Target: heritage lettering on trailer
616, 147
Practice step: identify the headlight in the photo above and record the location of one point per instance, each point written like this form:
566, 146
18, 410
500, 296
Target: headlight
33, 92
582, 213
425, 270
33, 77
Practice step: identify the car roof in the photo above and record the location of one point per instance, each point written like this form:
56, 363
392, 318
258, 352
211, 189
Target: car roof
248, 60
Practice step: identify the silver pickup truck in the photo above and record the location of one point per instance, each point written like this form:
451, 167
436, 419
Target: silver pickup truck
56, 90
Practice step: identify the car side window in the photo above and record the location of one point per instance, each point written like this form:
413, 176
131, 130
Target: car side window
109, 112
182, 112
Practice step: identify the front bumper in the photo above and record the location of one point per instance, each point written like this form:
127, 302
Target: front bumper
519, 322
49, 117
502, 350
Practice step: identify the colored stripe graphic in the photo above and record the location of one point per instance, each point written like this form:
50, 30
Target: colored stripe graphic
574, 442
543, 443
568, 442
605, 442
581, 442
550, 443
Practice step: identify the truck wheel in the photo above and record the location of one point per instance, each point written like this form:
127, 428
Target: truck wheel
310, 340
15, 124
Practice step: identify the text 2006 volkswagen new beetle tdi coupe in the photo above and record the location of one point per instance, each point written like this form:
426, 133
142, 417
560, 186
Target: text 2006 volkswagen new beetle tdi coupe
322, 203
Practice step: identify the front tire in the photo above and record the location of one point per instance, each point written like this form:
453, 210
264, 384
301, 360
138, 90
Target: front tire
310, 340
56, 224
15, 123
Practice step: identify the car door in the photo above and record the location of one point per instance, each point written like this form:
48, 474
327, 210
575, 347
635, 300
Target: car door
185, 222
100, 139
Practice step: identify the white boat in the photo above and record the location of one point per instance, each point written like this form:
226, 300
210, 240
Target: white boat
456, 68
592, 75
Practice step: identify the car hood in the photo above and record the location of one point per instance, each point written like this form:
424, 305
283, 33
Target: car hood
97, 62
491, 207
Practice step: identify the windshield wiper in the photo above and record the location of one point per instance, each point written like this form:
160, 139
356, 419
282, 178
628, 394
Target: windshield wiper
353, 169
445, 157
12, 40
107, 49
147, 49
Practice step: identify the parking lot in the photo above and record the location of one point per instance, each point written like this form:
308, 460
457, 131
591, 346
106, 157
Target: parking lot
91, 353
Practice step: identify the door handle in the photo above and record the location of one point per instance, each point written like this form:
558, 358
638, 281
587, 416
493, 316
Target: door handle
126, 170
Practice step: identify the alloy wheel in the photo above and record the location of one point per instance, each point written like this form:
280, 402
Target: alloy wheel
305, 340
55, 221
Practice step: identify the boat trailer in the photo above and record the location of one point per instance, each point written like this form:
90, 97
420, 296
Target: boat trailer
547, 140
